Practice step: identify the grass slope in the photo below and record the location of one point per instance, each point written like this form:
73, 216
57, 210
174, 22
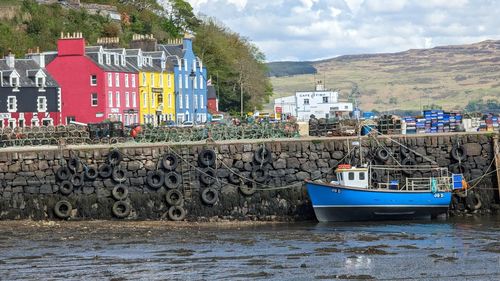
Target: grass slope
449, 76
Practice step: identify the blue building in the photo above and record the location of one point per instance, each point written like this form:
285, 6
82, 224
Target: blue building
190, 80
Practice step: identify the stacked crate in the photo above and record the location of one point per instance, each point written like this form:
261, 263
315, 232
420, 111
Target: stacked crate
411, 125
389, 125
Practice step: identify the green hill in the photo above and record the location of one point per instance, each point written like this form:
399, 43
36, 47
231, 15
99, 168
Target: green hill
288, 68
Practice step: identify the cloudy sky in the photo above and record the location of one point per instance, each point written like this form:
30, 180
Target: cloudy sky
318, 29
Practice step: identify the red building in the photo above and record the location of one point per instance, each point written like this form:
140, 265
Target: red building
96, 84
212, 101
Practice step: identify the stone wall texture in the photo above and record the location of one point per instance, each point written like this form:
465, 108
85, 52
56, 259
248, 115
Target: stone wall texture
247, 189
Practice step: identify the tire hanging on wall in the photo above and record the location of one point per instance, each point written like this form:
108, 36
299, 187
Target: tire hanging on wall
459, 153
247, 190
234, 178
208, 176
119, 174
408, 162
155, 179
66, 187
121, 209
405, 152
473, 201
63, 209
207, 157
105, 170
172, 180
262, 155
210, 195
120, 192
176, 213
77, 180
169, 161
91, 172
260, 174
114, 157
174, 197
73, 163
63, 173
382, 153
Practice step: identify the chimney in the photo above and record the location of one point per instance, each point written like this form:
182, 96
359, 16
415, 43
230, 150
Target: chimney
320, 86
71, 44
10, 59
145, 42
38, 57
109, 42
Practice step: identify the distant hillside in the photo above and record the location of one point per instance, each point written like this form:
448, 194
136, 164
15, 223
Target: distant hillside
287, 68
448, 76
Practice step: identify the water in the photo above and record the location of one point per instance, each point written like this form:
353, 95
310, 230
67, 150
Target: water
456, 249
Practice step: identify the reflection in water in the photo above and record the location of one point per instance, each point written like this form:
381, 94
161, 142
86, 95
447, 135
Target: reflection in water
354, 262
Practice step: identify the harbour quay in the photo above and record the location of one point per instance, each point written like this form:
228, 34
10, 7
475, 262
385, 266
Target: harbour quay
227, 180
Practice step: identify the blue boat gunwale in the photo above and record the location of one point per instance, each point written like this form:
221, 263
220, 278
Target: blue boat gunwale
331, 185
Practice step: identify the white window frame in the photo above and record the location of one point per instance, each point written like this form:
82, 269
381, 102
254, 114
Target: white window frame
194, 65
161, 80
152, 79
92, 83
180, 101
202, 99
180, 81
110, 79
201, 81
195, 82
185, 64
116, 59
187, 101
12, 104
133, 80
153, 99
145, 100
110, 99
144, 78
134, 99
169, 81
195, 98
12, 79
41, 104
92, 99
126, 80
169, 100
186, 78
108, 59
42, 84
117, 79
127, 99
117, 97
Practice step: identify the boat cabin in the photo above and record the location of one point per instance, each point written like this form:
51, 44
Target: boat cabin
352, 176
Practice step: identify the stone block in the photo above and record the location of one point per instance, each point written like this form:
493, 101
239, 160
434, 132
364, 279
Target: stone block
15, 167
139, 181
134, 165
292, 163
308, 166
45, 189
337, 155
19, 181
473, 149
32, 189
322, 163
315, 175
280, 164
247, 147
302, 176
247, 157
88, 190
109, 183
248, 167
31, 155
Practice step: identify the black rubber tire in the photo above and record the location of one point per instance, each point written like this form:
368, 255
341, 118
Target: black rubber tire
375, 176
408, 162
210, 195
119, 174
248, 190
176, 213
473, 201
63, 209
207, 157
172, 180
120, 192
457, 168
174, 197
63, 173
260, 174
114, 157
91, 172
155, 179
105, 171
121, 209
382, 153
459, 153
234, 178
169, 161
74, 163
66, 187
77, 180
263, 155
208, 176
405, 152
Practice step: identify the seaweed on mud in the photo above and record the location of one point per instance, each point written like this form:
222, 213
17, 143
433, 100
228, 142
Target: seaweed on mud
257, 262
251, 275
434, 256
327, 250
367, 238
492, 247
370, 250
410, 247
447, 259
183, 252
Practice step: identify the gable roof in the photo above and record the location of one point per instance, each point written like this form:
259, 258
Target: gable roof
24, 67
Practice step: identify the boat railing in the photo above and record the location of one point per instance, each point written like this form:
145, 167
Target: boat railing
422, 184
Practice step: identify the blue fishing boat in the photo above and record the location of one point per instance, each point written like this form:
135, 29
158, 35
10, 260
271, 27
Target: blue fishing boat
354, 197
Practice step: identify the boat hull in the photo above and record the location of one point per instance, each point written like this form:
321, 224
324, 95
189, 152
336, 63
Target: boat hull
337, 203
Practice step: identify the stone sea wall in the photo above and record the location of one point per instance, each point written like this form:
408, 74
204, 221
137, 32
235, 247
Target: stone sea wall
245, 180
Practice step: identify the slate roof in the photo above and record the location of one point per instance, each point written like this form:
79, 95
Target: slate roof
110, 67
172, 50
92, 49
23, 67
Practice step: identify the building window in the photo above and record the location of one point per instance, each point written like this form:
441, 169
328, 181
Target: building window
180, 101
306, 101
180, 81
350, 176
153, 100
133, 81
187, 101
117, 99
116, 59
134, 100
169, 100
126, 80
186, 81
11, 104
195, 101
160, 99
110, 99
186, 64
126, 119
195, 82
93, 80
145, 100
41, 104
108, 59
14, 81
194, 65
127, 99
325, 99
201, 101
143, 79
201, 81
152, 79
161, 80
362, 175
110, 80
345, 107
117, 80
169, 81
40, 82
93, 99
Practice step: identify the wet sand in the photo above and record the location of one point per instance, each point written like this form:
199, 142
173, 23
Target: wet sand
455, 249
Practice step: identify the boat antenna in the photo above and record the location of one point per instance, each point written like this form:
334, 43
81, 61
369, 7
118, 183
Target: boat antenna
359, 134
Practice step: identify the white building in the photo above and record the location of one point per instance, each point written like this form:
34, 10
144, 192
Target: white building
322, 103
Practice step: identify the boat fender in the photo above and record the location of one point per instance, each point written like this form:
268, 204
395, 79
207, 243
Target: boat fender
63, 173
120, 192
66, 187
62, 209
77, 180
207, 157
263, 155
207, 176
74, 163
210, 196
155, 179
176, 213
169, 162
121, 209
114, 157
172, 180
91, 172
174, 197
459, 153
382, 153
473, 201
105, 171
434, 188
119, 174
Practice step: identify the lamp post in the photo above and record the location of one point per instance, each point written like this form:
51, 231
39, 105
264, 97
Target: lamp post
192, 75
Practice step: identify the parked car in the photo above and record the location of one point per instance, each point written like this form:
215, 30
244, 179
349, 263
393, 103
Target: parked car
187, 124
170, 123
